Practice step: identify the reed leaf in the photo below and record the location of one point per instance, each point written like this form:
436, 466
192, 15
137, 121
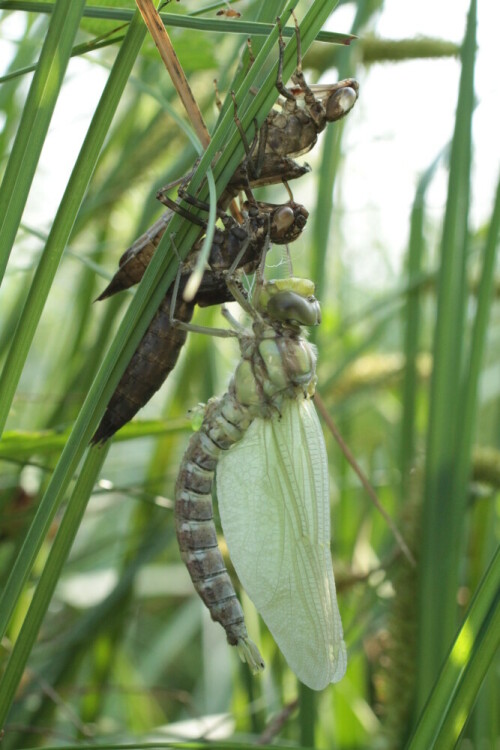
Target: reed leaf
35, 121
441, 509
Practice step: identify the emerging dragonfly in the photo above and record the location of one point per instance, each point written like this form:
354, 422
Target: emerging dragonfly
234, 247
264, 440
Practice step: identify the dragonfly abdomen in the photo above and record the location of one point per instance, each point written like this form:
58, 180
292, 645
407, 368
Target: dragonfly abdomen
154, 358
195, 527
136, 258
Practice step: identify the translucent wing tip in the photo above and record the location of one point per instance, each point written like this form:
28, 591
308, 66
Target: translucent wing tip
340, 663
249, 652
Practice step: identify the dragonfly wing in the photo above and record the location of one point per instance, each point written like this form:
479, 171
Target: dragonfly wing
272, 490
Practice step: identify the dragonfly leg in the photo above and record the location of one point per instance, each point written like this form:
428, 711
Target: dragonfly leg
175, 290
192, 200
298, 75
236, 262
170, 203
279, 78
232, 320
261, 151
197, 203
314, 105
183, 325
179, 181
253, 210
182, 181
259, 274
241, 298
247, 164
222, 333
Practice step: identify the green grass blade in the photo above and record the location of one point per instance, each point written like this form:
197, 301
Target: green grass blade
35, 121
324, 207
9, 100
66, 216
45, 272
20, 445
166, 745
471, 655
48, 580
438, 592
329, 164
182, 21
412, 323
307, 716
79, 49
470, 391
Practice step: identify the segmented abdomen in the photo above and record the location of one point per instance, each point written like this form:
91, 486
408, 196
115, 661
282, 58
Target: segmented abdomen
136, 258
194, 515
153, 359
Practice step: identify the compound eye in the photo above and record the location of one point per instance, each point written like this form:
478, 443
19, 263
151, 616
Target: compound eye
283, 219
340, 103
292, 308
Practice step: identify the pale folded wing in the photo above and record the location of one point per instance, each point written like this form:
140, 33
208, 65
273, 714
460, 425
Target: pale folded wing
272, 489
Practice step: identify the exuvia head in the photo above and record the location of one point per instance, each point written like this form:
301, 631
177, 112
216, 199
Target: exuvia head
287, 222
342, 100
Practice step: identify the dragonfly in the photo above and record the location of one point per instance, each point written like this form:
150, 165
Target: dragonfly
291, 129
233, 247
263, 441
293, 125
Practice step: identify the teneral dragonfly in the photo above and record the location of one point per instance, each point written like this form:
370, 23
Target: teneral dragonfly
264, 440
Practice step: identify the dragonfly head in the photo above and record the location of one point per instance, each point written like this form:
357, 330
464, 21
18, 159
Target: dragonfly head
342, 100
290, 301
287, 222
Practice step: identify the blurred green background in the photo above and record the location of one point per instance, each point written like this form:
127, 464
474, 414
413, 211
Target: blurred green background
104, 640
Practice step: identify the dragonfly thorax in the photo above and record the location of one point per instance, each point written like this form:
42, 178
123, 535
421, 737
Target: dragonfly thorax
277, 361
274, 365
